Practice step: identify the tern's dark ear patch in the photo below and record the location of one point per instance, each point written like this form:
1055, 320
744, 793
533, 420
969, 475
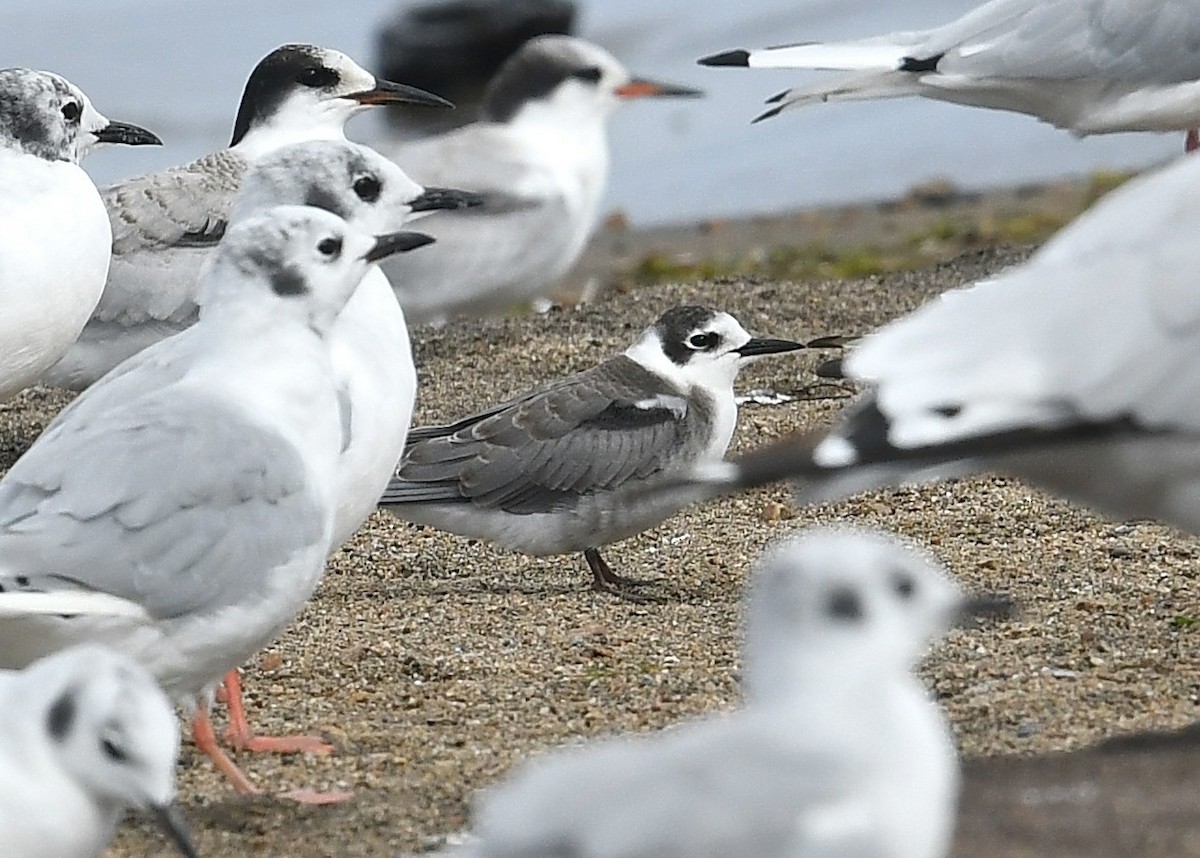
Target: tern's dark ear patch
676, 326
844, 605
320, 197
61, 715
278, 75
288, 282
532, 73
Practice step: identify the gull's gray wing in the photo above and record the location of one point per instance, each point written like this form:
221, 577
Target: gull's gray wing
169, 500
522, 237
592, 431
163, 224
1131, 41
721, 788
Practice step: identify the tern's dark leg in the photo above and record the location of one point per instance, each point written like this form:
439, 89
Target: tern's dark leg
603, 578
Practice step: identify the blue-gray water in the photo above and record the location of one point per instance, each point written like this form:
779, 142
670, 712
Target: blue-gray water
178, 68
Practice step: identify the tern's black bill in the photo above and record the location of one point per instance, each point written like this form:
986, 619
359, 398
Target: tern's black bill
387, 92
396, 242
437, 199
757, 347
170, 819
130, 135
642, 88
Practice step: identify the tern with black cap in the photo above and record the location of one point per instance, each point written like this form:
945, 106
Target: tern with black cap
542, 473
539, 156
164, 224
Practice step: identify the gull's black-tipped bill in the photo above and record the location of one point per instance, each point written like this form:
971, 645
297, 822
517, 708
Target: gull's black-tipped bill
641, 87
388, 92
396, 242
762, 346
127, 134
437, 199
170, 819
738, 57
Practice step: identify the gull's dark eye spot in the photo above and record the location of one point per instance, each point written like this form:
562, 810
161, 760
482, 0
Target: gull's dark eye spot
61, 716
845, 605
904, 585
113, 752
703, 342
331, 247
591, 74
318, 77
71, 111
368, 188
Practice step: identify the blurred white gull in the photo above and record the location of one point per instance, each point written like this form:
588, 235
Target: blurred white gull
539, 157
839, 750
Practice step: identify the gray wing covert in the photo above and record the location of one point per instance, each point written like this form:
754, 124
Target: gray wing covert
592, 431
157, 221
171, 502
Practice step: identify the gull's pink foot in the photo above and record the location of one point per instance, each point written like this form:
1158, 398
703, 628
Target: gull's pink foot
239, 735
206, 742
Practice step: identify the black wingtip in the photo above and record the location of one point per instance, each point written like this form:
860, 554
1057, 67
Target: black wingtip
778, 97
738, 57
438, 199
774, 111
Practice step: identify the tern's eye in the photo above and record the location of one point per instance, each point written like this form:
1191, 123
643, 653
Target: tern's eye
368, 188
71, 111
331, 247
591, 74
703, 342
318, 77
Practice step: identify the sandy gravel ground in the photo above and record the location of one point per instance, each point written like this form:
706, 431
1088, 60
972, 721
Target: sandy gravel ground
433, 663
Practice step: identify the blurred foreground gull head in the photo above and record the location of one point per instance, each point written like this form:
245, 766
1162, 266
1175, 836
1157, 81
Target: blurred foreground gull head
838, 751
88, 735
549, 472
1089, 67
539, 157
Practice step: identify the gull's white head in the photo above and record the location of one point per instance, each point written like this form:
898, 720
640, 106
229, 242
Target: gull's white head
354, 182
299, 261
114, 731
46, 115
565, 79
843, 601
303, 92
693, 346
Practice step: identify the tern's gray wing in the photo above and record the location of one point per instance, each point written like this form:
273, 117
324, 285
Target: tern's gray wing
522, 237
158, 220
718, 789
166, 500
1132, 41
591, 432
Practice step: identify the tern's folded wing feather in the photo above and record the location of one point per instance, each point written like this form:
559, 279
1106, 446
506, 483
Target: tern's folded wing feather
156, 217
592, 431
168, 502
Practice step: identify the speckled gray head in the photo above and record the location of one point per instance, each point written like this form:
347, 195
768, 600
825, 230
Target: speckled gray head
306, 260
47, 116
565, 69
354, 182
